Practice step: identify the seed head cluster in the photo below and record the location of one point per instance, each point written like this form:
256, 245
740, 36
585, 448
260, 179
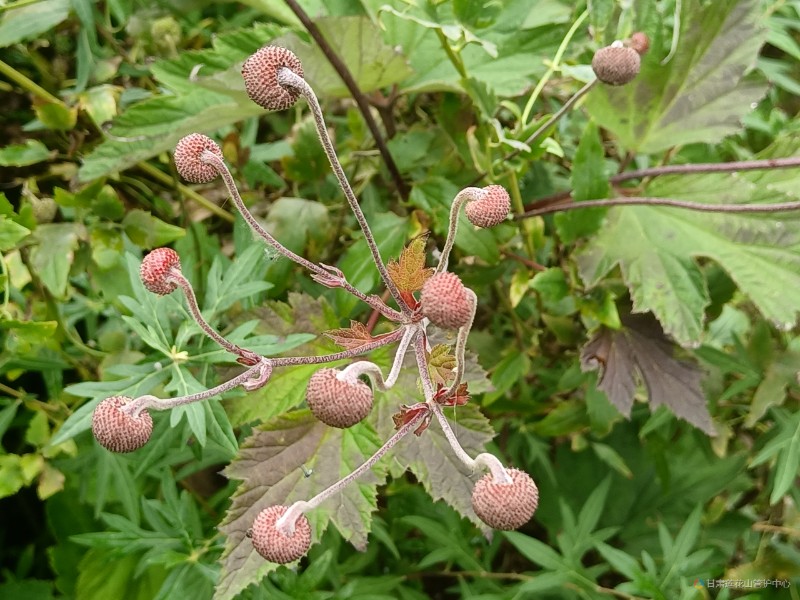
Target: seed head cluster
189, 158
335, 402
156, 268
505, 506
444, 301
260, 73
491, 209
616, 65
118, 431
276, 546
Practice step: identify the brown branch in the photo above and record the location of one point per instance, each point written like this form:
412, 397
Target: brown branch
644, 201
729, 167
361, 100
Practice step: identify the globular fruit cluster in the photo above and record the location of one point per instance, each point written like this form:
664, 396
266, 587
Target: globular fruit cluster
260, 73
491, 208
336, 402
119, 431
505, 506
275, 545
156, 268
189, 158
444, 301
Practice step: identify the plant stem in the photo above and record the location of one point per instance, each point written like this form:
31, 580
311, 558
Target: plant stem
516, 203
455, 59
259, 373
643, 201
28, 85
467, 194
288, 77
330, 277
422, 366
361, 101
373, 371
385, 340
461, 347
287, 522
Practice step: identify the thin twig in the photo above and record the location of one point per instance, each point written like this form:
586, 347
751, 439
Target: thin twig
642, 201
361, 100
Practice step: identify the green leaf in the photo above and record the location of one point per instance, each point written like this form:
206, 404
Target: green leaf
700, 95
10, 233
787, 466
148, 231
52, 257
27, 22
270, 465
536, 551
20, 155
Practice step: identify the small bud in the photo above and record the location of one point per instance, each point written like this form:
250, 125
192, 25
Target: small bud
156, 268
639, 42
189, 158
260, 73
505, 506
444, 301
491, 209
616, 65
118, 431
276, 546
335, 402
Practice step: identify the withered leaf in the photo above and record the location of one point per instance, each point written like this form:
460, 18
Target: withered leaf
352, 337
640, 350
409, 272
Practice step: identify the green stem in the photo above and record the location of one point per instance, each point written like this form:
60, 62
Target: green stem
28, 85
455, 59
519, 208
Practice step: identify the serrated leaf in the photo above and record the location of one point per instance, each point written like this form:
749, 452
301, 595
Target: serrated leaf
409, 272
441, 364
640, 350
700, 95
148, 231
271, 467
352, 337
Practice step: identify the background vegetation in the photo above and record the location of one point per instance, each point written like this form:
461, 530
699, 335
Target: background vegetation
685, 313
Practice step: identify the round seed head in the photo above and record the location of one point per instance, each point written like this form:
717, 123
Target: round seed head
260, 73
156, 268
639, 42
276, 546
444, 301
119, 431
189, 158
505, 506
492, 208
335, 402
616, 65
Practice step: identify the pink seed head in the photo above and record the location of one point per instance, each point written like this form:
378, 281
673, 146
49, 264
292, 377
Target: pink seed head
338, 403
276, 546
505, 506
156, 268
616, 65
189, 158
444, 301
118, 431
491, 208
260, 73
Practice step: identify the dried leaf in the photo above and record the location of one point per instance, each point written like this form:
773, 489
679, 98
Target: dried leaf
641, 350
272, 465
409, 272
352, 337
441, 364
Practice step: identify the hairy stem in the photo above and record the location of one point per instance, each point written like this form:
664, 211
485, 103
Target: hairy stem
467, 194
333, 277
461, 346
258, 374
287, 522
422, 366
289, 78
373, 371
361, 101
644, 201
385, 340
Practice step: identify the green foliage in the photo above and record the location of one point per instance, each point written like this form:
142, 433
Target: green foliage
639, 361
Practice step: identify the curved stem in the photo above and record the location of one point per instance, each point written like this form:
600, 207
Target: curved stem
177, 277
330, 277
485, 460
671, 202
287, 521
467, 194
257, 374
373, 371
461, 347
289, 78
290, 361
420, 343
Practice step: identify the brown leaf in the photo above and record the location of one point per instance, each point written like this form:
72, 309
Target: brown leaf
352, 337
640, 350
409, 272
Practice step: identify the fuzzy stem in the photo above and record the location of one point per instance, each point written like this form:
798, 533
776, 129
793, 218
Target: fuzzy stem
178, 278
289, 78
290, 361
485, 460
287, 521
330, 277
644, 201
373, 371
461, 346
258, 374
420, 343
467, 194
